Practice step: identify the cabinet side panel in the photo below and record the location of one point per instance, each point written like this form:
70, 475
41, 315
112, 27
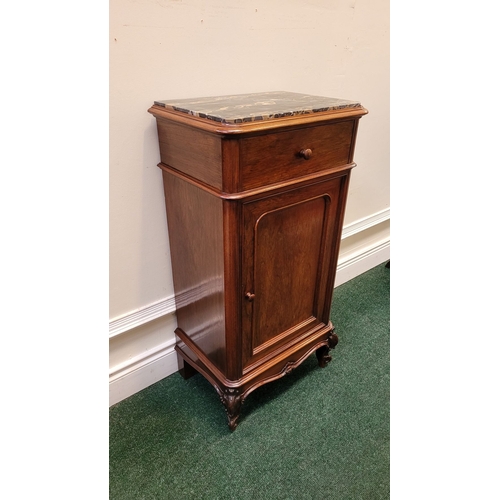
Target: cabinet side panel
191, 151
195, 224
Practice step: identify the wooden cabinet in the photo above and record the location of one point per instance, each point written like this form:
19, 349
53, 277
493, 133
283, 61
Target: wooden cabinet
255, 191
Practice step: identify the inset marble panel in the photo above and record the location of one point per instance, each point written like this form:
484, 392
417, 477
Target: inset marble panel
260, 106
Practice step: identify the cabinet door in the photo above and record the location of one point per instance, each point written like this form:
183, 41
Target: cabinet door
290, 248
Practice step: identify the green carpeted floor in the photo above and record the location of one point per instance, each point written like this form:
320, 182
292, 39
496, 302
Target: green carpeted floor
314, 434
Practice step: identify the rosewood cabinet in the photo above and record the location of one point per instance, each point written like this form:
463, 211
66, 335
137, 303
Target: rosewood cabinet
255, 191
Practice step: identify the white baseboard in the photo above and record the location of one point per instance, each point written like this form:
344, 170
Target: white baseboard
147, 368
141, 372
358, 263
366, 223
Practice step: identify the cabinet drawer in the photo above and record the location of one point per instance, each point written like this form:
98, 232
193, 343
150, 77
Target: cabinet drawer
271, 158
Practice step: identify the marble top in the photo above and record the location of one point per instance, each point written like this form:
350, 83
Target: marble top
257, 106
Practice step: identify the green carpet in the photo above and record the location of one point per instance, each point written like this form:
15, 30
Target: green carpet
314, 434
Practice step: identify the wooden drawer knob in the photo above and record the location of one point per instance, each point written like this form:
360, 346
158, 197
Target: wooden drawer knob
306, 153
250, 296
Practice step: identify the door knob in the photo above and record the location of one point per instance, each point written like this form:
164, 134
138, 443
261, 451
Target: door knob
250, 296
306, 153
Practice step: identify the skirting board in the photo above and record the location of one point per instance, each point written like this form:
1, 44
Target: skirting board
355, 264
141, 372
148, 368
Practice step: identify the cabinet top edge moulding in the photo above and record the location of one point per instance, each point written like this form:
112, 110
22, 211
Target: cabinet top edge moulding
244, 113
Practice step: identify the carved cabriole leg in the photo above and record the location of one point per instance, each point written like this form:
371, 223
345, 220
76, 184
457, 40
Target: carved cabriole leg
323, 352
232, 401
323, 357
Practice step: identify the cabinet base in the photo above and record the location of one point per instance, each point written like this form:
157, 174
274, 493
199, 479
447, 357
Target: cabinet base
233, 393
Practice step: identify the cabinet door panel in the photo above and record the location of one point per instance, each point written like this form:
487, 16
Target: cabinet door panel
287, 261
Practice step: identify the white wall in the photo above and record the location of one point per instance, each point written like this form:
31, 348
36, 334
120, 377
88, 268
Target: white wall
166, 49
